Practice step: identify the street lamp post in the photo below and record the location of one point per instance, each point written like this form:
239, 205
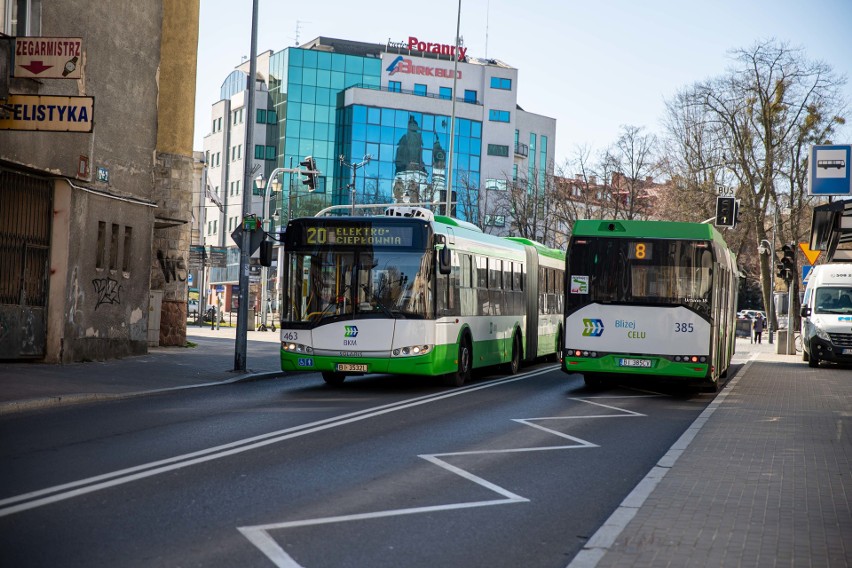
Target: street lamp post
263, 269
354, 168
264, 288
241, 342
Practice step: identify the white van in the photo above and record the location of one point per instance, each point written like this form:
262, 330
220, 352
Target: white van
827, 315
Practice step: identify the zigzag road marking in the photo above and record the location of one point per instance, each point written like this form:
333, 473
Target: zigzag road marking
259, 535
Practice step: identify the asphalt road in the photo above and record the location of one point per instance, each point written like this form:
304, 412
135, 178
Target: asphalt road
508, 471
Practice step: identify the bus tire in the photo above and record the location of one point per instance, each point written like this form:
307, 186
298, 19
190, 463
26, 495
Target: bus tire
333, 379
514, 364
557, 356
465, 360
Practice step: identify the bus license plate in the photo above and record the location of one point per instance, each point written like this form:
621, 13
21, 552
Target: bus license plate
350, 368
634, 363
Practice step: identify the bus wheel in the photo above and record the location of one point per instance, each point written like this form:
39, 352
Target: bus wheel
462, 374
557, 357
333, 379
514, 365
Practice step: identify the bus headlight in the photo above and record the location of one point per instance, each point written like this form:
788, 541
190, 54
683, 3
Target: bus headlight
410, 350
296, 347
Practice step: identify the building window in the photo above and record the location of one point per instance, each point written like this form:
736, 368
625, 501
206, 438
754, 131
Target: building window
259, 151
499, 115
445, 93
101, 250
270, 152
395, 86
496, 184
20, 17
271, 117
420, 89
498, 150
501, 83
261, 116
469, 96
495, 220
115, 230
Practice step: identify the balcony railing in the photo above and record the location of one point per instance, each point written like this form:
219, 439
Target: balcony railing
522, 150
409, 92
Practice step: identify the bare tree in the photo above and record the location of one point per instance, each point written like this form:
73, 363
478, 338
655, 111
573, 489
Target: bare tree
753, 125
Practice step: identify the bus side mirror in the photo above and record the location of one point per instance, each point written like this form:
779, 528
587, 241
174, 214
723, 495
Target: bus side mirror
445, 263
805, 312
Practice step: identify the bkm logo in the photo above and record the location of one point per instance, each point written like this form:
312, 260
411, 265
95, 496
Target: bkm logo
592, 328
350, 331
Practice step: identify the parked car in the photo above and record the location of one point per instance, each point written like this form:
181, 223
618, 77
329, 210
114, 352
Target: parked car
192, 309
751, 314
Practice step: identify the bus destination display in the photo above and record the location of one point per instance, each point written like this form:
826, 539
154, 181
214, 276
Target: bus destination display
360, 235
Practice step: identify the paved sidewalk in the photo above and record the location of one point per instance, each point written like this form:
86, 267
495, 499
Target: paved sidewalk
762, 478
210, 359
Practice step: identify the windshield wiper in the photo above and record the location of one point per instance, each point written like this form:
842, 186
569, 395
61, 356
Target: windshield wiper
378, 302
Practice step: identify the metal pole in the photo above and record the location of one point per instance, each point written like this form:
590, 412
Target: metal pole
448, 180
772, 261
354, 187
790, 285
245, 250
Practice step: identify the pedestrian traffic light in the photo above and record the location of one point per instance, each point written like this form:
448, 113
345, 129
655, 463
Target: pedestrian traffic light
310, 175
726, 214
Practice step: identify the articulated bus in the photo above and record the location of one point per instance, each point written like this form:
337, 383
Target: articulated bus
649, 299
414, 293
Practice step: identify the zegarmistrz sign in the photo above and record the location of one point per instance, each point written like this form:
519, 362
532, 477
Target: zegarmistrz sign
54, 114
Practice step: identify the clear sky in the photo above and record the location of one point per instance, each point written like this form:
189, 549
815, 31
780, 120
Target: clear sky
593, 65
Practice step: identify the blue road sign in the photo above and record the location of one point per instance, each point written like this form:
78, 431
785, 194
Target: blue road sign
829, 170
806, 269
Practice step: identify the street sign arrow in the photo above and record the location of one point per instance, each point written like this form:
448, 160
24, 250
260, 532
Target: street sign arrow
36, 67
811, 255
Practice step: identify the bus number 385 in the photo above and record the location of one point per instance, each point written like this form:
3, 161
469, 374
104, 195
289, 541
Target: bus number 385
683, 327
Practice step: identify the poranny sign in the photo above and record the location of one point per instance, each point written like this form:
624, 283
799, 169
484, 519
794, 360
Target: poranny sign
54, 114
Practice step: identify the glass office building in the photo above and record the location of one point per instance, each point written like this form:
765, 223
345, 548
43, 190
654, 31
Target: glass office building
376, 118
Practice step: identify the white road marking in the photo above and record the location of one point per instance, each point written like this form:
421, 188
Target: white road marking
47, 496
260, 537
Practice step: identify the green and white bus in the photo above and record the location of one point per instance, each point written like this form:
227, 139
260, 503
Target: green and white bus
414, 293
649, 299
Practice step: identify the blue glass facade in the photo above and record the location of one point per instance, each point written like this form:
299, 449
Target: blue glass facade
408, 152
407, 148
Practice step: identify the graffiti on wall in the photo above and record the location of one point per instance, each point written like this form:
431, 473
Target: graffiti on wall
108, 291
173, 268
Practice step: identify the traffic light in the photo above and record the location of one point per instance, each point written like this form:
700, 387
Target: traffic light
788, 261
726, 211
311, 174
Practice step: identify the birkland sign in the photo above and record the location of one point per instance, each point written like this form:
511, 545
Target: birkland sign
415, 44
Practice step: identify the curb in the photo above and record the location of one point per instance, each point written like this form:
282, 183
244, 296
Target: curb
16, 406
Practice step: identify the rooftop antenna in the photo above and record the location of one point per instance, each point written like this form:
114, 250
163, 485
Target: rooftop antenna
487, 14
299, 25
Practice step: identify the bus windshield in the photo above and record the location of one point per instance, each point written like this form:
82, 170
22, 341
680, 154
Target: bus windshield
639, 271
328, 284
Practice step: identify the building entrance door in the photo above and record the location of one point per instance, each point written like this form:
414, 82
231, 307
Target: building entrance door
26, 203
